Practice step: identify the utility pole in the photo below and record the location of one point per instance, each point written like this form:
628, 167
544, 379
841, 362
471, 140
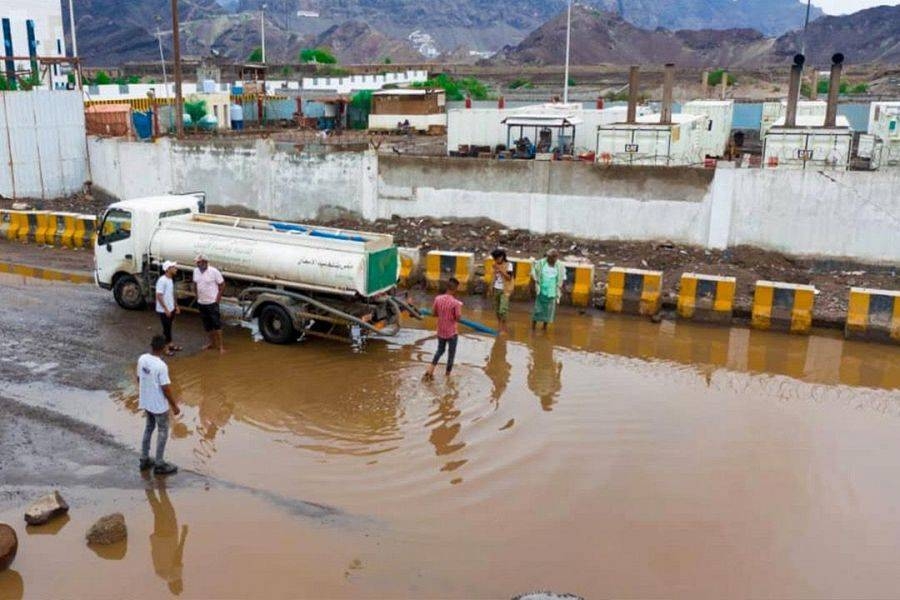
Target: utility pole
176, 55
262, 26
568, 45
805, 24
162, 60
74, 43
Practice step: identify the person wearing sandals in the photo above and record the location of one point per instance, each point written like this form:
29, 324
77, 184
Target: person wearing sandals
166, 307
503, 285
157, 400
549, 275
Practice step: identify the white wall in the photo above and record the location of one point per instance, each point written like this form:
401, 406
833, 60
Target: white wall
853, 214
42, 145
256, 175
346, 85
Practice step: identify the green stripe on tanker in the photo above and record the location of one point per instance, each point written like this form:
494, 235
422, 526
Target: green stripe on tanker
383, 269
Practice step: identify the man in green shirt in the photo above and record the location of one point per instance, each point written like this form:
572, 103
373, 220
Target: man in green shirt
549, 275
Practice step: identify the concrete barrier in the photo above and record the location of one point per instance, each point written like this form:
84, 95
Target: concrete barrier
442, 265
47, 274
873, 315
785, 306
633, 291
521, 276
85, 231
707, 298
579, 285
410, 259
63, 229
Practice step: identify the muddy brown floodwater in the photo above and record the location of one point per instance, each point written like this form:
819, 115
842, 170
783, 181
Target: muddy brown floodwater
609, 457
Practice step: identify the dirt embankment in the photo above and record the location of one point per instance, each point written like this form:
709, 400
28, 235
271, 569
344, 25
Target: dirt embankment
91, 202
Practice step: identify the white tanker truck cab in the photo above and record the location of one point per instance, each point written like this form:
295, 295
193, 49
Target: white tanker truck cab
293, 280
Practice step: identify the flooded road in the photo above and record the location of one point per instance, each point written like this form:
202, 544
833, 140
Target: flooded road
608, 457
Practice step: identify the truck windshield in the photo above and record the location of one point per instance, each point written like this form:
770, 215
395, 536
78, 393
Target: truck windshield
116, 226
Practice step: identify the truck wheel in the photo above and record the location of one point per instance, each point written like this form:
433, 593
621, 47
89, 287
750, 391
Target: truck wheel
276, 326
128, 293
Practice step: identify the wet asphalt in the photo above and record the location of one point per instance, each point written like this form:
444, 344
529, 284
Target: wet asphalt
75, 336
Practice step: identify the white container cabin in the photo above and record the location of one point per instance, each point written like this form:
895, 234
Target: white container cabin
808, 145
649, 142
720, 114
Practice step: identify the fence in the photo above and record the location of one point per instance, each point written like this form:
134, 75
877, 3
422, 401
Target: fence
43, 153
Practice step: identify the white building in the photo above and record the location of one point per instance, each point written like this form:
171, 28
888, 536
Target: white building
721, 115
649, 142
809, 144
32, 28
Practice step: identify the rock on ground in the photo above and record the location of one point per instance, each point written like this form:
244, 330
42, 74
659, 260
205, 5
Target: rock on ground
107, 530
45, 508
9, 545
544, 595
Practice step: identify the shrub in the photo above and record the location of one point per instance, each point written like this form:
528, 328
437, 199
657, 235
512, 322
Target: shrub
255, 55
317, 55
196, 109
520, 83
715, 77
457, 89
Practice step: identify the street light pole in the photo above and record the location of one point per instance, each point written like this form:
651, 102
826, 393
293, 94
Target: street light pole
176, 56
805, 24
568, 45
262, 26
162, 61
74, 43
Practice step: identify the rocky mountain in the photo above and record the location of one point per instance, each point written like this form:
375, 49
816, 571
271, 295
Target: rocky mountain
869, 36
602, 37
355, 42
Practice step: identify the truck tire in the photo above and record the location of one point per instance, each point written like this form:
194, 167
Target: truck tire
276, 325
128, 293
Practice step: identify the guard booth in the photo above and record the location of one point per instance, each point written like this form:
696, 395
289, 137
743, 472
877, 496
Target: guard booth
540, 136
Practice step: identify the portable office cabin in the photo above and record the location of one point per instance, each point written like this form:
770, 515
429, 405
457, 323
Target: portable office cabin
720, 114
649, 142
884, 124
772, 111
808, 145
421, 107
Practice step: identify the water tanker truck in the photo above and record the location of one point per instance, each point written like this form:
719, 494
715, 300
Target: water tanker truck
290, 280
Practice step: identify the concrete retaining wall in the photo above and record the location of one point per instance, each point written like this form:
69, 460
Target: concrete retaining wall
851, 215
256, 175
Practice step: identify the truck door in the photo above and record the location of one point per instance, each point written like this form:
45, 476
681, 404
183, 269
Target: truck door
114, 252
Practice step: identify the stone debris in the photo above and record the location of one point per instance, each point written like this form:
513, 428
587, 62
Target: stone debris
45, 508
545, 595
107, 530
9, 545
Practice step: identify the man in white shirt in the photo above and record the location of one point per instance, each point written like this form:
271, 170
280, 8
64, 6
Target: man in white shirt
156, 399
166, 307
208, 287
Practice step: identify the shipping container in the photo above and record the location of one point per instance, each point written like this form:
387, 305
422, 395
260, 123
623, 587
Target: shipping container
649, 142
772, 111
720, 114
884, 124
809, 145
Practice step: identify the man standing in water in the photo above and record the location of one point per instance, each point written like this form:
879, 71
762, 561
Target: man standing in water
548, 275
503, 285
156, 399
166, 307
208, 286
448, 310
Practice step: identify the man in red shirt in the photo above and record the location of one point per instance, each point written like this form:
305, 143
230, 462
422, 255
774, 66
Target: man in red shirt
448, 310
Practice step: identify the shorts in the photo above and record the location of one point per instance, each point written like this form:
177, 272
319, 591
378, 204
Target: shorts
501, 304
212, 318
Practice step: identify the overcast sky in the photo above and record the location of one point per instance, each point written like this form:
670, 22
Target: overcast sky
840, 7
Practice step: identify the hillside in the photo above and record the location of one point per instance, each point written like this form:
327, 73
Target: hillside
868, 36
602, 37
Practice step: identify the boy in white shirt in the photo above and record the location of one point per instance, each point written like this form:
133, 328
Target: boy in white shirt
166, 307
156, 399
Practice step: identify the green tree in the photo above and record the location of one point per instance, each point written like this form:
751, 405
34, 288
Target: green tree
196, 109
520, 83
860, 88
457, 89
317, 55
102, 78
715, 77
388, 60
256, 55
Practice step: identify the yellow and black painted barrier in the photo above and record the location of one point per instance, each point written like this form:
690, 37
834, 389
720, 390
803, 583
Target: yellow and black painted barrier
634, 291
706, 297
442, 265
578, 288
873, 315
68, 230
521, 276
785, 306
46, 274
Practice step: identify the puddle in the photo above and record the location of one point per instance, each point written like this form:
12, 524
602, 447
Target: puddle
609, 457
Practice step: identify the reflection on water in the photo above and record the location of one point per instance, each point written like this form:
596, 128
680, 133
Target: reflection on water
498, 368
544, 372
166, 541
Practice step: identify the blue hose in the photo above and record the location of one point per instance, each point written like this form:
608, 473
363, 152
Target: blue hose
479, 327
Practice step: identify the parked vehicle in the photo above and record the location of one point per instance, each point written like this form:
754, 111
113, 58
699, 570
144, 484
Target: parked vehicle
291, 280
